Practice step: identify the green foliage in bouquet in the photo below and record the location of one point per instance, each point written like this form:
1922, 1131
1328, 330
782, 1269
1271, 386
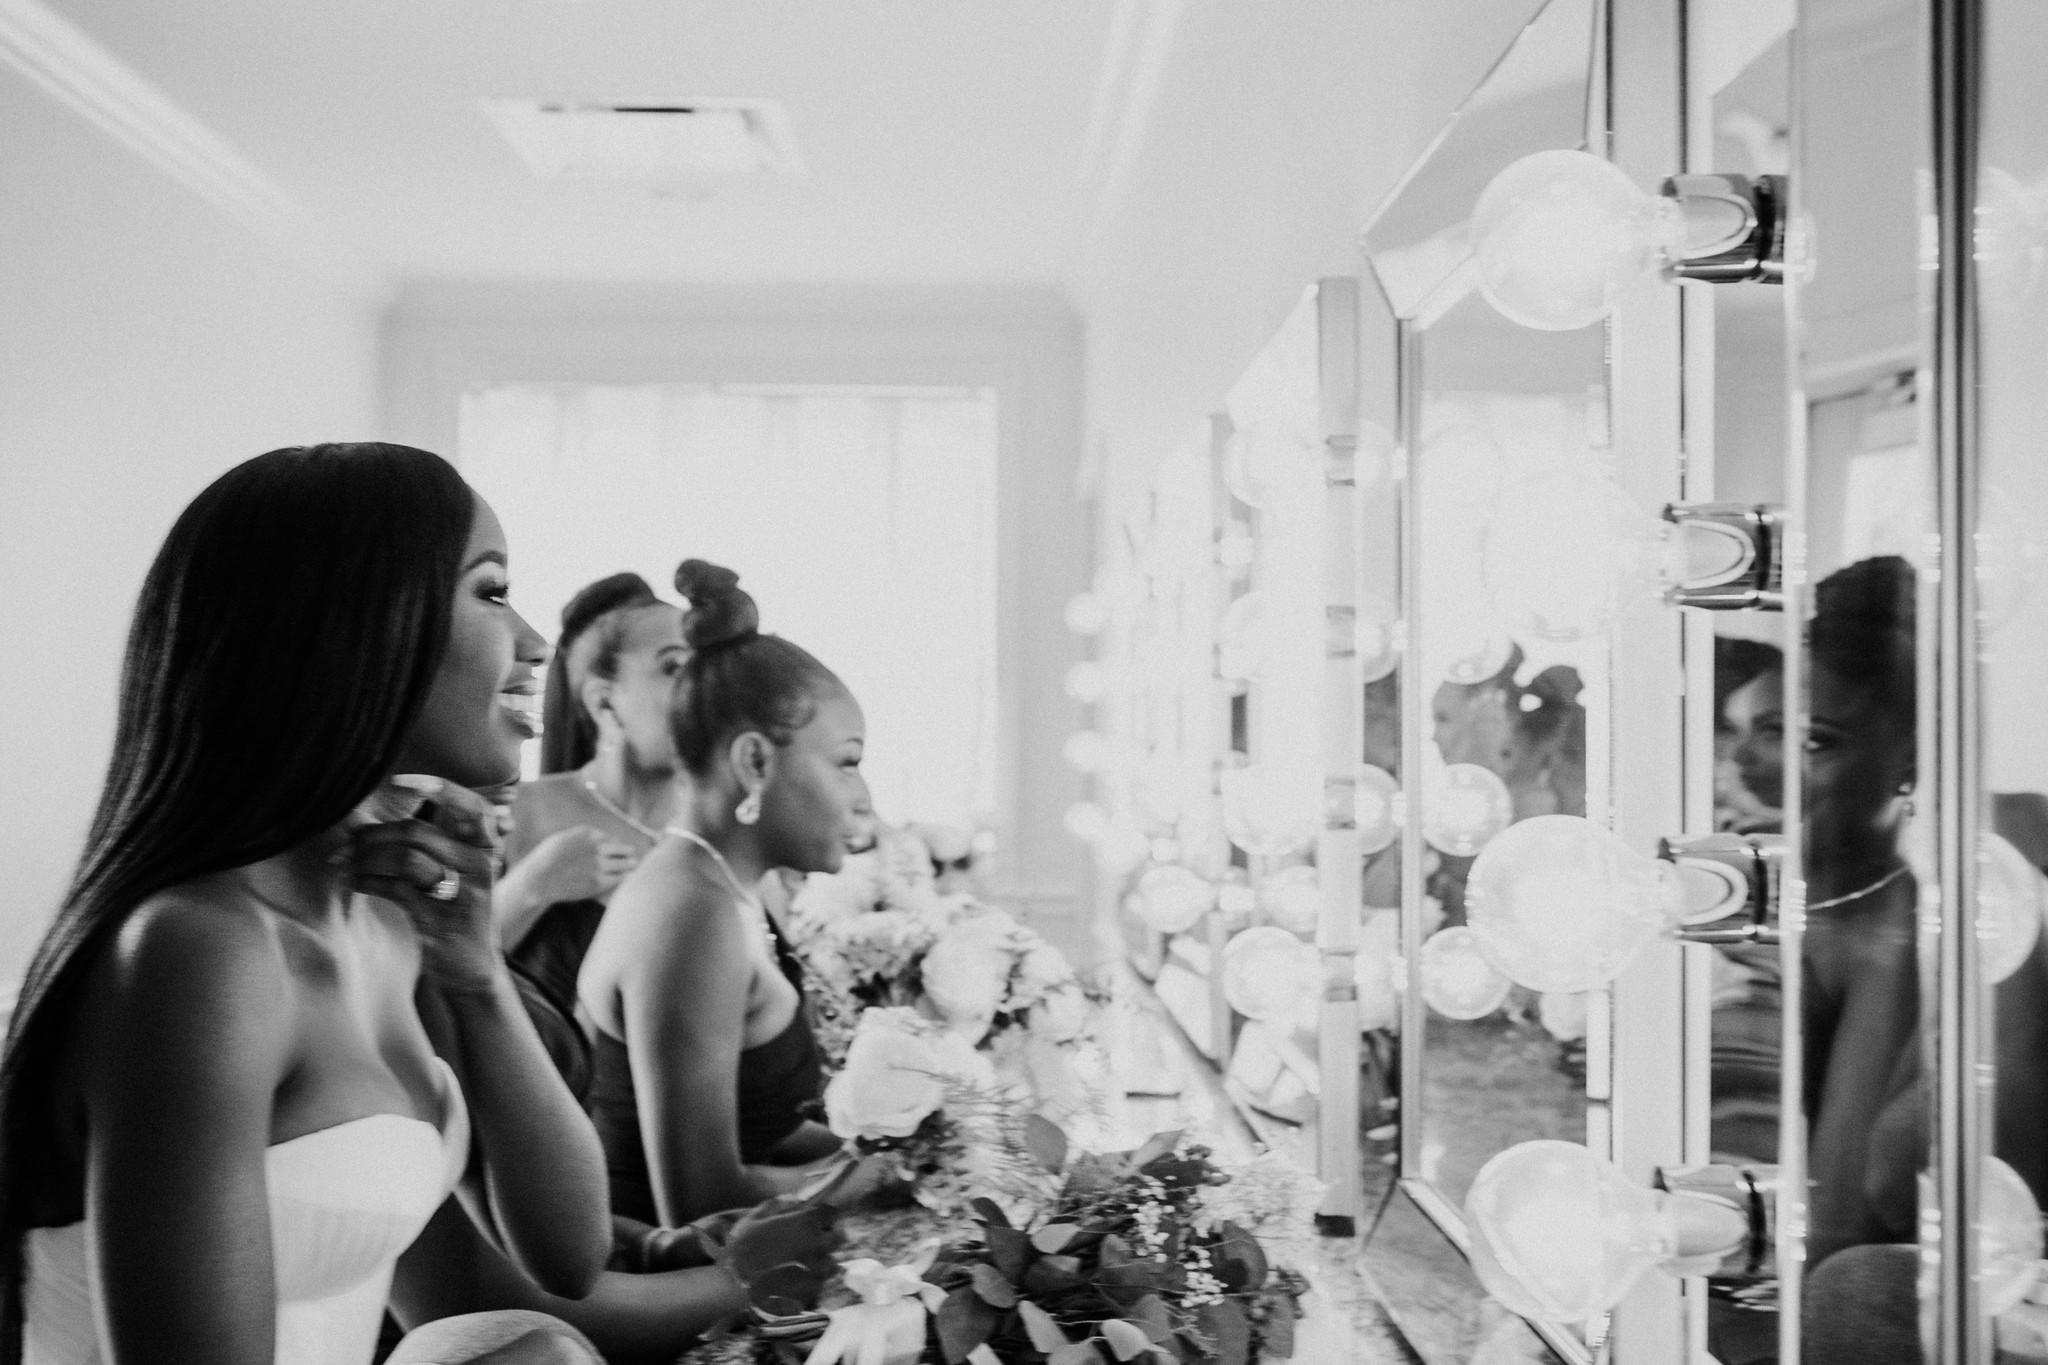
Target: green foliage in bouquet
1124, 1267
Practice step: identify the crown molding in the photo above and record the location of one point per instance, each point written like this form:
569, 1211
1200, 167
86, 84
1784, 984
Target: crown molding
72, 68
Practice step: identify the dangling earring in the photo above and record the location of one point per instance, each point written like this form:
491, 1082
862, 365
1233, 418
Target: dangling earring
748, 811
1906, 796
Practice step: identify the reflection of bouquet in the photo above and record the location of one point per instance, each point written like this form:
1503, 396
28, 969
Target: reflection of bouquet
924, 1098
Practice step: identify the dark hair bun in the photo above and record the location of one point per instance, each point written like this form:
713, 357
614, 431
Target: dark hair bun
604, 596
720, 613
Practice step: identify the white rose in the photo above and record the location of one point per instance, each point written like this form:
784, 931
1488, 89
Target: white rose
959, 1061
1061, 1014
824, 898
967, 974
892, 1081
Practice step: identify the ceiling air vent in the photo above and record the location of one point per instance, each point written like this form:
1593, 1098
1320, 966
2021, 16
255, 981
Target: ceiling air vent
648, 141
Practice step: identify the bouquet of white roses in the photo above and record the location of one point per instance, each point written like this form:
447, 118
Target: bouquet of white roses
922, 1096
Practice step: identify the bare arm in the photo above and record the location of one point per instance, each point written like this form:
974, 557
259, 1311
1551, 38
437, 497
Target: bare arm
543, 1169
683, 1006
188, 1031
453, 1269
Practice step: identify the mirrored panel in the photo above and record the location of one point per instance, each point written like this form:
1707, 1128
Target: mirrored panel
2008, 484
1864, 1008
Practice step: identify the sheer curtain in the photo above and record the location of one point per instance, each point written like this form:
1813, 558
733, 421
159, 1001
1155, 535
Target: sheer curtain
863, 522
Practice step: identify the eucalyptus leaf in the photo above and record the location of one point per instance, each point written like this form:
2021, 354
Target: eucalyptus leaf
992, 1288
1224, 1323
1241, 1259
989, 1212
1115, 1251
1046, 1142
1054, 1236
1010, 1250
964, 1322
1127, 1340
1150, 1313
1156, 1146
1045, 1334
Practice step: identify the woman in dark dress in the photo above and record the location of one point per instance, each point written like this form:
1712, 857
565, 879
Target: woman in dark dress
705, 1067
608, 787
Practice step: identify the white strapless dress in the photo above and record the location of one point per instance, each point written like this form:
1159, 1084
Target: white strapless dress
344, 1202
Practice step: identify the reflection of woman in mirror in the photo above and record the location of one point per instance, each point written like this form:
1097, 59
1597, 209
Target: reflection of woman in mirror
1747, 993
705, 1065
1860, 958
1749, 735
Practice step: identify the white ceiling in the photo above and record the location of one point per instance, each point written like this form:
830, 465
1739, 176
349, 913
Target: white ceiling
945, 139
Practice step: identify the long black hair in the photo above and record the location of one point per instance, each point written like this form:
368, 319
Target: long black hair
736, 679
285, 640
568, 734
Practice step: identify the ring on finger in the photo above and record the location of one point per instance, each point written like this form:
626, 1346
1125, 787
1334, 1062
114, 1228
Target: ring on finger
448, 888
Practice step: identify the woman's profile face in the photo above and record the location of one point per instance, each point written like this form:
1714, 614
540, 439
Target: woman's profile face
1756, 719
637, 696
480, 707
1859, 761
817, 799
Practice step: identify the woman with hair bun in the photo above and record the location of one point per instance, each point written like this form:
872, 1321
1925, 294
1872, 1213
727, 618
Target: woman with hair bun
705, 1066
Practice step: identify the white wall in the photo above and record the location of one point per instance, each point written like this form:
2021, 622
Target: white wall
1276, 132
147, 342
1024, 344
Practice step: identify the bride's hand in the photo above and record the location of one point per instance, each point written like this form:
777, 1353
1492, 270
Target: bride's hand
437, 866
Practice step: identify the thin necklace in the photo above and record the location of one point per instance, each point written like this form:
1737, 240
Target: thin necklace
747, 898
1886, 880
590, 785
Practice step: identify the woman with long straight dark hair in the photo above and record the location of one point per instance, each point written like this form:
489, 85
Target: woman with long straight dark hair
270, 1027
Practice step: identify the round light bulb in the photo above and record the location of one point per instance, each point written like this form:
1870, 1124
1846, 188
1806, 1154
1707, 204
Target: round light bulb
1086, 821
1378, 627
1559, 235
2008, 1238
1566, 552
2008, 559
1087, 750
1088, 682
1560, 904
1243, 638
1377, 969
1464, 807
1086, 613
2009, 907
1123, 845
1457, 980
1268, 973
1235, 548
2006, 241
1265, 458
1376, 454
1376, 809
1469, 655
1560, 1236
1292, 899
1267, 815
1173, 900
1563, 1014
